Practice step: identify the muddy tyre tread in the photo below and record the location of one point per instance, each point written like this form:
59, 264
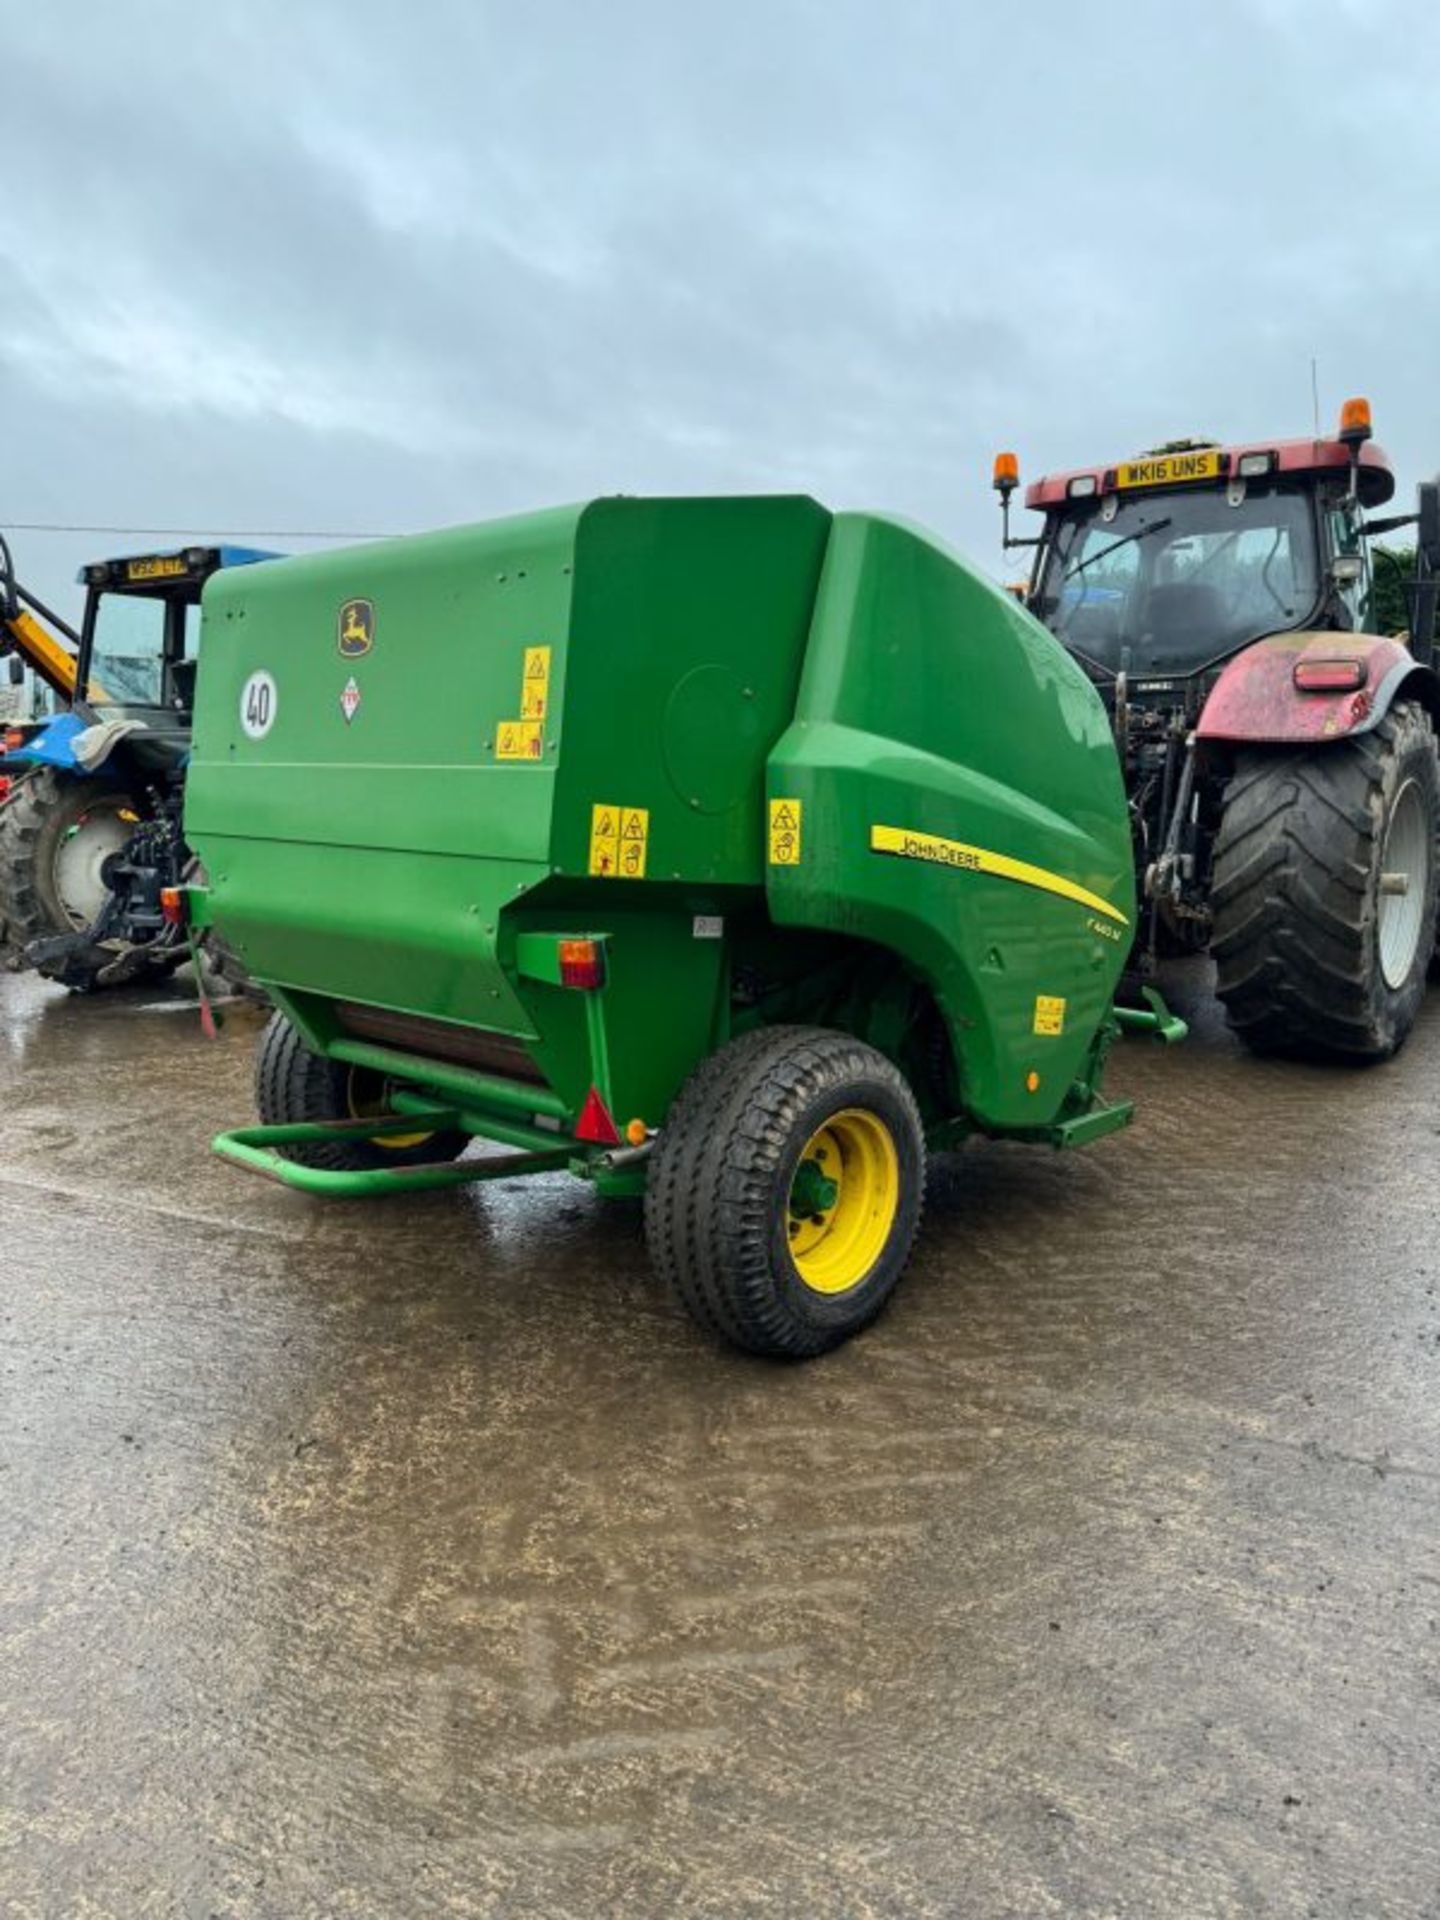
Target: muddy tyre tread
710, 1202
1295, 894
26, 914
23, 913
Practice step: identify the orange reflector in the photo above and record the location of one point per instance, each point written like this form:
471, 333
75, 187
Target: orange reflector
1007, 472
595, 1123
1355, 422
1328, 676
582, 964
1032, 1081
172, 906
636, 1132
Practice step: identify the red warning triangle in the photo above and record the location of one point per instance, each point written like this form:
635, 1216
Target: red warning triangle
595, 1123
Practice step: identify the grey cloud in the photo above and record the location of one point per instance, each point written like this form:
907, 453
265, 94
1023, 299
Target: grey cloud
360, 265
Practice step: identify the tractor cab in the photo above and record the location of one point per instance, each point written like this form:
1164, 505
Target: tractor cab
1163, 567
138, 642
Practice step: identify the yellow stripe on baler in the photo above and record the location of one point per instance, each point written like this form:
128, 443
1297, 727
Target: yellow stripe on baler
910, 845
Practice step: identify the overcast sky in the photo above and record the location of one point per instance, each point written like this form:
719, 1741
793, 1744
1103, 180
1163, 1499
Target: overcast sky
371, 266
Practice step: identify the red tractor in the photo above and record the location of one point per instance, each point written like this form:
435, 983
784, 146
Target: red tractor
1279, 754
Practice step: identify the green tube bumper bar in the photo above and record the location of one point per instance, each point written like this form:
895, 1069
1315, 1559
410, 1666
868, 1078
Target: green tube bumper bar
257, 1148
1155, 1019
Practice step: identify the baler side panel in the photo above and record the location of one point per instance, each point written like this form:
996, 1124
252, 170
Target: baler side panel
367, 853
689, 631
934, 706
688, 634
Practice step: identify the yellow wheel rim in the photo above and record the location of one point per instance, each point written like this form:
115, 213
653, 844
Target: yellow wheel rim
365, 1097
843, 1200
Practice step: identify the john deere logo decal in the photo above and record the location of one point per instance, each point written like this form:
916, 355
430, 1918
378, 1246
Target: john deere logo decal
357, 628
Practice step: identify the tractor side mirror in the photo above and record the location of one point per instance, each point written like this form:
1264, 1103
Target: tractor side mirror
15, 668
1428, 531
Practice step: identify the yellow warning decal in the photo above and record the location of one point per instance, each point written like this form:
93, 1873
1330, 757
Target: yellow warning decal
786, 817
519, 740
619, 841
634, 837
535, 687
954, 853
1049, 1015
604, 841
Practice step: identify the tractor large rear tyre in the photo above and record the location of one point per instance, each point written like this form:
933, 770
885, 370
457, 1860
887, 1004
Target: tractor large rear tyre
1324, 896
785, 1190
55, 833
294, 1084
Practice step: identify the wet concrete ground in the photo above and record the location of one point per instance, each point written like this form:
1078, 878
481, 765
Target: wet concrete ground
419, 1559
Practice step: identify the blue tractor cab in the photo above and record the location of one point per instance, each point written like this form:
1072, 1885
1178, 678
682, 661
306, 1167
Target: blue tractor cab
135, 656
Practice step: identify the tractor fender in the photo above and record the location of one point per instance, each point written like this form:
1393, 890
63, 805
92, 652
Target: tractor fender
1256, 701
71, 745
52, 746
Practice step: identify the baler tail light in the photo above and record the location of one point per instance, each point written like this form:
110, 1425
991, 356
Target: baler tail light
582, 965
173, 906
1329, 676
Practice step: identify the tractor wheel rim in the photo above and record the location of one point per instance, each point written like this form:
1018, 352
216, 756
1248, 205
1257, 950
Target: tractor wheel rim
79, 865
366, 1097
1404, 884
843, 1200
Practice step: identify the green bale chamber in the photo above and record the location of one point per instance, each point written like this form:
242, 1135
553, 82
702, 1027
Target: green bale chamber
785, 766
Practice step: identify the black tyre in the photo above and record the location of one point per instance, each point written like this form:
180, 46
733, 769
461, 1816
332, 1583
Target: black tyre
1325, 892
292, 1083
56, 834
785, 1190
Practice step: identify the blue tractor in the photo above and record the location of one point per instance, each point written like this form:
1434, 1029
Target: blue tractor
90, 800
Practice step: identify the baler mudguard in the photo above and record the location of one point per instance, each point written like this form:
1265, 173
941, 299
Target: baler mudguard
961, 803
1256, 701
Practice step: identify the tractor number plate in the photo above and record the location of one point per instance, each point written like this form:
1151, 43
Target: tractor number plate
1169, 469
158, 569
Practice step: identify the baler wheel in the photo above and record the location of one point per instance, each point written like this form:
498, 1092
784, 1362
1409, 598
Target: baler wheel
785, 1190
1325, 892
292, 1083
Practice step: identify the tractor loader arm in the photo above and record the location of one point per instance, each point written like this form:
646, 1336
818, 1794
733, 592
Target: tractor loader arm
49, 650
22, 634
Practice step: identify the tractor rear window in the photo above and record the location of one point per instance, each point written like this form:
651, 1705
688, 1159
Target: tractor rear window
1173, 580
127, 666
